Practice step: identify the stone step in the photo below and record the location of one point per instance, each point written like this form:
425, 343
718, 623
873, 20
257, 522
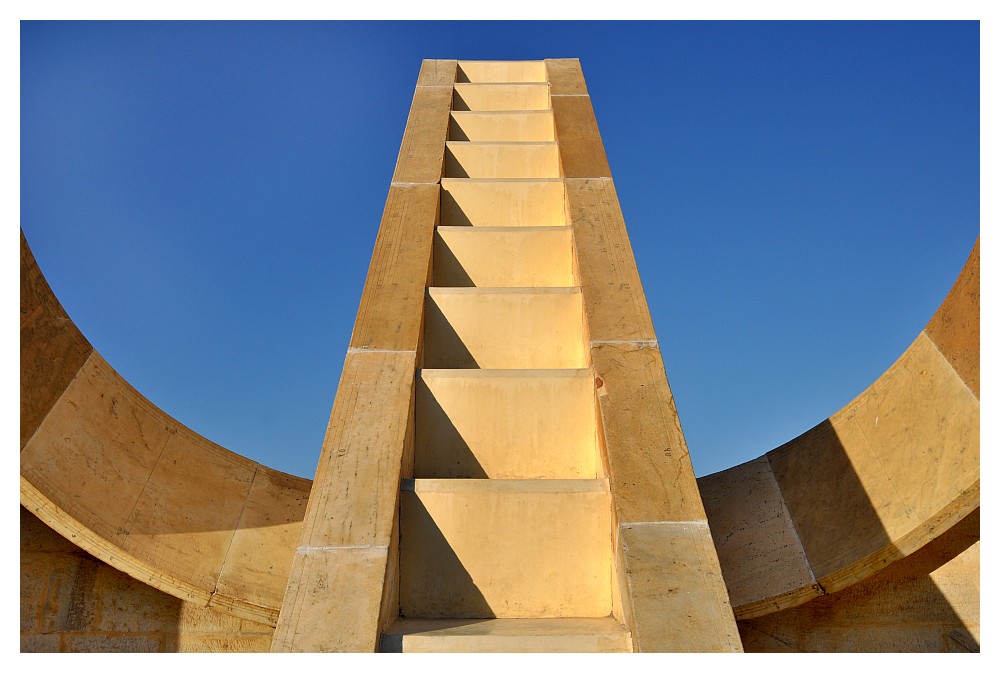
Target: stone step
467, 159
506, 424
495, 97
502, 72
507, 548
509, 126
503, 257
575, 635
504, 328
508, 202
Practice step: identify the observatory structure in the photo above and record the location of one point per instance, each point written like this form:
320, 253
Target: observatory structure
504, 468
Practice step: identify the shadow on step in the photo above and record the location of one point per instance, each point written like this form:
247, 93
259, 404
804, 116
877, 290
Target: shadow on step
441, 450
434, 583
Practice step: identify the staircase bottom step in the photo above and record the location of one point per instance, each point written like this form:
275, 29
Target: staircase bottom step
595, 634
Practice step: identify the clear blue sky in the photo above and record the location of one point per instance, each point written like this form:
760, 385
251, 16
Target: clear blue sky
204, 198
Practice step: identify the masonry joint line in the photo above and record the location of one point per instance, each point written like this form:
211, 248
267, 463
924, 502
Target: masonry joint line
701, 523
306, 549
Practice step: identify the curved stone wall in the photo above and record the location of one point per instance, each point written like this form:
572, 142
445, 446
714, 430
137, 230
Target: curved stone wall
127, 483
877, 481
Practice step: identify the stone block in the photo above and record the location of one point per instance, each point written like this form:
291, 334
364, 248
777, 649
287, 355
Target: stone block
677, 598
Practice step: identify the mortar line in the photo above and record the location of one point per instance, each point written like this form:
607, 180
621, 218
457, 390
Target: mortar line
795, 529
692, 522
76, 375
236, 528
944, 357
305, 549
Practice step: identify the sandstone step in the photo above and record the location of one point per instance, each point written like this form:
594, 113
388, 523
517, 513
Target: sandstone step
506, 424
509, 125
465, 159
502, 202
501, 71
495, 97
504, 328
505, 548
580, 635
503, 257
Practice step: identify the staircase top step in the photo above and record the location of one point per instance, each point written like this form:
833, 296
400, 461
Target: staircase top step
505, 485
594, 634
503, 373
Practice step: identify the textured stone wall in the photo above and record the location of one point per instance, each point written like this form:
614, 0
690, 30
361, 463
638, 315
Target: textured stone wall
72, 602
926, 602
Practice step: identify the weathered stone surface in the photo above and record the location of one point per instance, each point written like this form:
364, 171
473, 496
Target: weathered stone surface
614, 300
181, 517
878, 481
954, 329
337, 587
260, 554
333, 600
96, 450
676, 596
579, 140
143, 492
356, 488
926, 602
392, 300
130, 606
759, 549
421, 154
72, 602
109, 643
437, 72
46, 642
905, 449
52, 348
128, 483
649, 467
565, 76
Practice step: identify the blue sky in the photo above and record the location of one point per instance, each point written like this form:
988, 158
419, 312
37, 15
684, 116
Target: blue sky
204, 198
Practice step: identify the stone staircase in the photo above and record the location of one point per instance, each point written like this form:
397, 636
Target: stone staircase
506, 527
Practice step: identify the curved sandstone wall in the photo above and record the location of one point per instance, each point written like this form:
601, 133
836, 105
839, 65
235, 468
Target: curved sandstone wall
72, 602
876, 482
926, 602
130, 485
